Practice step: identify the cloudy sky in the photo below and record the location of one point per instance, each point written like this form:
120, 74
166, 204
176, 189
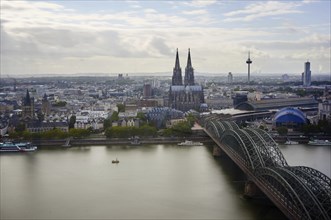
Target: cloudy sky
66, 37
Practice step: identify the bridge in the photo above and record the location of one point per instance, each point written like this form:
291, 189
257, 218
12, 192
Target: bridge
299, 192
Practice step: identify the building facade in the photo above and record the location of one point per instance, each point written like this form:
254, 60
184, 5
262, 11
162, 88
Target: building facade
187, 95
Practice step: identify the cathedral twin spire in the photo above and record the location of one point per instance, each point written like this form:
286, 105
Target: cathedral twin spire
177, 72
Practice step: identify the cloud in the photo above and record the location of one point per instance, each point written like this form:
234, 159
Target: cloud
201, 3
39, 38
195, 12
262, 9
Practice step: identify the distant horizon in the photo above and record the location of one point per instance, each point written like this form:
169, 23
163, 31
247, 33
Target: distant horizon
163, 74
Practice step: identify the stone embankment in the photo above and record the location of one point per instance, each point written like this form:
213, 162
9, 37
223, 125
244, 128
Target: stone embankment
117, 141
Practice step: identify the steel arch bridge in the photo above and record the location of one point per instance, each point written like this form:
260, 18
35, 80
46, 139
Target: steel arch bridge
299, 192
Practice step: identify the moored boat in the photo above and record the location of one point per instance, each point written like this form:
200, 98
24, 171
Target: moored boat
320, 142
190, 143
289, 142
9, 146
135, 141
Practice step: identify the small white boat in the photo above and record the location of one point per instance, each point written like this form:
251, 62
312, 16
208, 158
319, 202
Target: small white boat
190, 143
289, 142
320, 142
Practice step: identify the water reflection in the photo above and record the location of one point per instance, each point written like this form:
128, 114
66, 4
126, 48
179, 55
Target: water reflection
151, 181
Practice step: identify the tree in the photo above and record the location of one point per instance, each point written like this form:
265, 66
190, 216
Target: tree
191, 119
114, 116
106, 123
121, 107
282, 130
141, 116
78, 132
20, 127
72, 121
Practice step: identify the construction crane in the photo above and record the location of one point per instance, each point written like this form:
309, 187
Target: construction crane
15, 82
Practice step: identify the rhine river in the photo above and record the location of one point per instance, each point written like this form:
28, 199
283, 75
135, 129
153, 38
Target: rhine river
150, 182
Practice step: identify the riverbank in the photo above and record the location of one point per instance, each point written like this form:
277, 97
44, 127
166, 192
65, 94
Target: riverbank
116, 141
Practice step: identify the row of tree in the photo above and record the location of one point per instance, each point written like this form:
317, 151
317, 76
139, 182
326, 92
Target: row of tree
51, 134
122, 132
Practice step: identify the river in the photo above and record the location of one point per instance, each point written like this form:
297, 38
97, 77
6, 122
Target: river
150, 182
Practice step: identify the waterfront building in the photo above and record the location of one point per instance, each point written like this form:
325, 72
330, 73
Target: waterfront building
324, 110
36, 126
289, 117
185, 96
307, 75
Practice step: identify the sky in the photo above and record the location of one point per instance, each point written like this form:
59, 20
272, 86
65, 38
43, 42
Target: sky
70, 37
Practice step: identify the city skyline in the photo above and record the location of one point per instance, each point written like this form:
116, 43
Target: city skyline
68, 37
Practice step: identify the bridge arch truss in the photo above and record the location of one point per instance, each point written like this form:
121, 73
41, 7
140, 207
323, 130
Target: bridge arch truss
300, 192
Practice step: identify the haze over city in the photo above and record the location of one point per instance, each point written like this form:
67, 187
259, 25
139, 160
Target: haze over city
70, 37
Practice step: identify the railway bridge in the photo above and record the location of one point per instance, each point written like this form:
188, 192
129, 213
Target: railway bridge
300, 192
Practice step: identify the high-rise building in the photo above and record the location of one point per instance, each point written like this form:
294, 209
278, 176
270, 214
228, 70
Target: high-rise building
188, 96
230, 78
248, 61
307, 75
147, 91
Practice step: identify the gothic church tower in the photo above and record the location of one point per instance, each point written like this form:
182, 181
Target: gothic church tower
177, 73
189, 72
28, 106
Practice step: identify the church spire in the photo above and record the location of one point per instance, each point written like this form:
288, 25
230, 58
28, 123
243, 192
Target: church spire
27, 100
189, 63
189, 71
177, 72
177, 66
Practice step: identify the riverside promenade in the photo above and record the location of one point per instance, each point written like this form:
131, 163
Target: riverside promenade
116, 141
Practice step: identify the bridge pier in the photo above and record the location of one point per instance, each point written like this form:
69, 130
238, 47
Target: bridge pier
252, 191
217, 151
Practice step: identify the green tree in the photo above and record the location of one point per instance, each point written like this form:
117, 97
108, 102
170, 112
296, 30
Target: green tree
191, 119
282, 130
78, 132
121, 107
114, 116
106, 123
72, 121
141, 116
20, 127
60, 104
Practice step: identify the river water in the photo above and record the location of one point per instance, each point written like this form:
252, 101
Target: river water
150, 182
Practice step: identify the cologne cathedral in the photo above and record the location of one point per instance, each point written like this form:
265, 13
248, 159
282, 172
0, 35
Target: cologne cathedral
185, 96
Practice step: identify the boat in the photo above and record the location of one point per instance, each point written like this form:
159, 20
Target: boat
190, 143
320, 142
9, 146
289, 142
115, 161
135, 141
